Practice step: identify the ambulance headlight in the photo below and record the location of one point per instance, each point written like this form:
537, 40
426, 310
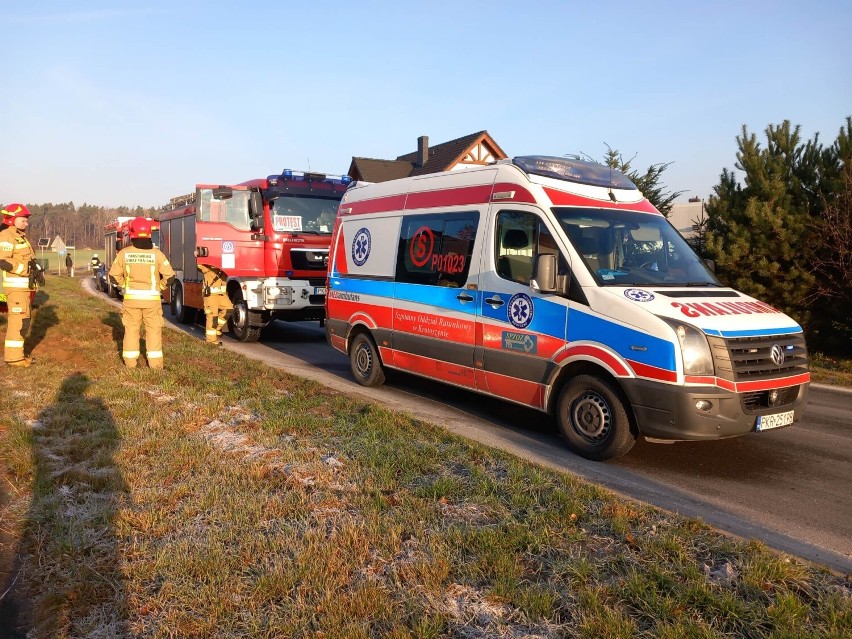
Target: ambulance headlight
694, 348
273, 291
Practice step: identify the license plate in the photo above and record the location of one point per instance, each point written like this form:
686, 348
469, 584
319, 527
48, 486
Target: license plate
765, 422
319, 290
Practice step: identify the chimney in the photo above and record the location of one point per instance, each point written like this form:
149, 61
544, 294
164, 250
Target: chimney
422, 150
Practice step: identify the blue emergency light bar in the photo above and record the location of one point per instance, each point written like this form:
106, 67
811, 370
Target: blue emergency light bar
301, 176
571, 170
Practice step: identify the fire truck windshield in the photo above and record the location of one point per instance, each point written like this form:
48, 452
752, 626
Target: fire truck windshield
300, 214
233, 210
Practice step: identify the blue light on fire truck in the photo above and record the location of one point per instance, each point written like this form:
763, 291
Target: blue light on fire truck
289, 174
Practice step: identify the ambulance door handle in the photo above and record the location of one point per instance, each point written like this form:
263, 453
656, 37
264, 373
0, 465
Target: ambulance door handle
495, 301
464, 297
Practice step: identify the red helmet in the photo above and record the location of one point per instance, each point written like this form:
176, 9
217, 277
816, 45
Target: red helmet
141, 227
11, 211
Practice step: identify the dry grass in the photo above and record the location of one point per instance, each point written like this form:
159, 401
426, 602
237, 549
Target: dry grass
220, 498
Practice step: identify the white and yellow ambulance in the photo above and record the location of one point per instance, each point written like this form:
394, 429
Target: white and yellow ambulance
554, 283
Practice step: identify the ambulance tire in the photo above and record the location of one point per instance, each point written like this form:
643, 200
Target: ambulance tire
365, 362
592, 417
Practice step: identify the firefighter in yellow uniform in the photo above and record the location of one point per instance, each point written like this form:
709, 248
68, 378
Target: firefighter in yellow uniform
217, 305
142, 272
21, 276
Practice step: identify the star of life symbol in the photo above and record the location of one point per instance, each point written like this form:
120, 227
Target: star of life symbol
638, 295
520, 310
361, 247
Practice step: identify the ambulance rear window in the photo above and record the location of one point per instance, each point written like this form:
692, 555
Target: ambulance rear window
436, 249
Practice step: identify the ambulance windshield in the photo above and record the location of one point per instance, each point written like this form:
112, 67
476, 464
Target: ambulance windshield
626, 248
300, 214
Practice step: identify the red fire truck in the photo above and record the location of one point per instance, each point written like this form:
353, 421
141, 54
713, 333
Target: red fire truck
115, 239
271, 238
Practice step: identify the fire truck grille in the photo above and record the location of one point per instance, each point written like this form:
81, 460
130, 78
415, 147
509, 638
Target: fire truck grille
758, 358
305, 260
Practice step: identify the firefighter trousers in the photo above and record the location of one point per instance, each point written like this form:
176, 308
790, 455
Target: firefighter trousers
217, 308
17, 324
135, 315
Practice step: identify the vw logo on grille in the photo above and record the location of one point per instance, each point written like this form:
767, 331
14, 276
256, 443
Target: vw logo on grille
777, 354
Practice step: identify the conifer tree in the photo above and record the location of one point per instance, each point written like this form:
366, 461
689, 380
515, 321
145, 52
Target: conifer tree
766, 234
650, 182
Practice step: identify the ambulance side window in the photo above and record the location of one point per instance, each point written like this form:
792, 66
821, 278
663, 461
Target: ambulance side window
436, 250
522, 236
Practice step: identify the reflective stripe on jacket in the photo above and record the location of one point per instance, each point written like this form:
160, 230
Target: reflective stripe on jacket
142, 273
17, 252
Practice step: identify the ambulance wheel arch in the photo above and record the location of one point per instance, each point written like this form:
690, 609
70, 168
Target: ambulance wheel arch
365, 361
593, 414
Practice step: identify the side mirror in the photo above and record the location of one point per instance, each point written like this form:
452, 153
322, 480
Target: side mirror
544, 273
710, 264
256, 210
223, 193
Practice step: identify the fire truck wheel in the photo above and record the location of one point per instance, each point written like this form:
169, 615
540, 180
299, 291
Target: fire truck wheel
179, 310
240, 322
365, 362
592, 417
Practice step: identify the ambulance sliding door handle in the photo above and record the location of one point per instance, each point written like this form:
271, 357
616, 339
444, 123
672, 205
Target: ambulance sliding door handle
495, 301
464, 297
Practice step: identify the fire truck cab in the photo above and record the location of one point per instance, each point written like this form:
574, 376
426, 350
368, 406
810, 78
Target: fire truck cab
269, 236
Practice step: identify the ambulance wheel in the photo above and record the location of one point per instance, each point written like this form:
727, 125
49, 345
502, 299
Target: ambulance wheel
592, 417
240, 322
179, 310
365, 362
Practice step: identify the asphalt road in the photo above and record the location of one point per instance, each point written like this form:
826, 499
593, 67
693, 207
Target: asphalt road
789, 488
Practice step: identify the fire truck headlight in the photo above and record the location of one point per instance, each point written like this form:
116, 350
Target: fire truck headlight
273, 291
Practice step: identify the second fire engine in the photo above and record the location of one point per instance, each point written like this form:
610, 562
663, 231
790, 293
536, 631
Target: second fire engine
269, 236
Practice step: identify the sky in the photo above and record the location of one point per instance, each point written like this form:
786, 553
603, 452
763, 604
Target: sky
129, 103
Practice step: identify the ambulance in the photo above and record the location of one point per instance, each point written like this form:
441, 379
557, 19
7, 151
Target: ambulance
554, 283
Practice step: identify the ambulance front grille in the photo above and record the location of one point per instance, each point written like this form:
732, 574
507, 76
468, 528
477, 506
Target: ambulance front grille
742, 359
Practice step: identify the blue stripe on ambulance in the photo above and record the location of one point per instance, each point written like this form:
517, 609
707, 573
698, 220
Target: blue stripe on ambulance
549, 318
441, 296
585, 327
758, 332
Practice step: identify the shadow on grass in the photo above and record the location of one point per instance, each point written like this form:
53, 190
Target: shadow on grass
113, 320
43, 318
68, 545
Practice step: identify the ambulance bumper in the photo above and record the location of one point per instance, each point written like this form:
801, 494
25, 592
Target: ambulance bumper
671, 412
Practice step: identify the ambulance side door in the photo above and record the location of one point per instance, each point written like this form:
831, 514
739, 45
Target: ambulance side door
435, 295
519, 329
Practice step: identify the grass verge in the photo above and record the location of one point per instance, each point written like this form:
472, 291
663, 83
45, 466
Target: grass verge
221, 498
831, 370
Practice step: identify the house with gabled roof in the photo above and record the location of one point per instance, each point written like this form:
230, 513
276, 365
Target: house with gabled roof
476, 149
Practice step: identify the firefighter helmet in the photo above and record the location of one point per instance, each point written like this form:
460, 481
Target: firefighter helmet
140, 227
11, 211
